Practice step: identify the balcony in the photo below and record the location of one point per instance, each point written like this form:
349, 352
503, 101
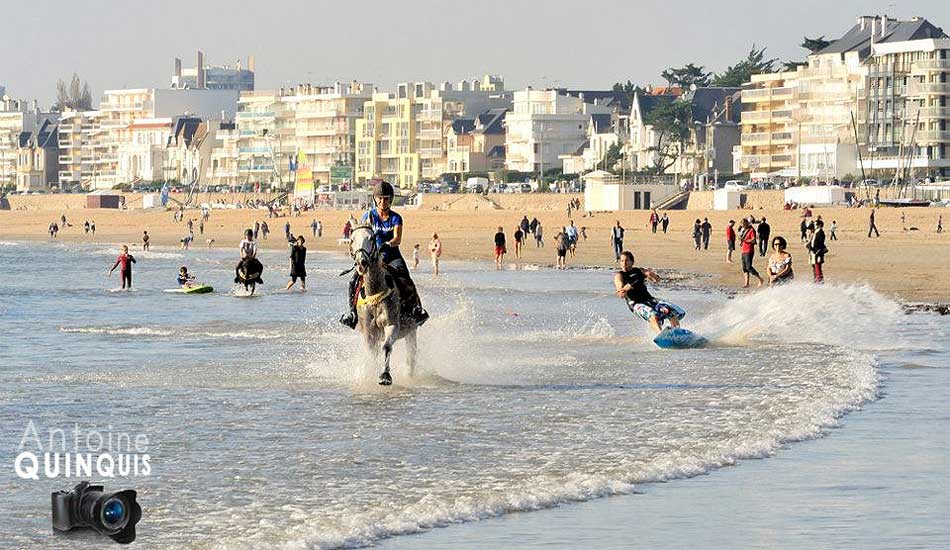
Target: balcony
756, 117
932, 136
927, 113
932, 65
312, 132
429, 152
918, 89
333, 113
768, 94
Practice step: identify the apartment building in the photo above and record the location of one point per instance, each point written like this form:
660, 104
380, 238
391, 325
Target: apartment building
478, 144
222, 168
238, 77
401, 137
17, 116
82, 148
602, 134
802, 123
274, 126
545, 124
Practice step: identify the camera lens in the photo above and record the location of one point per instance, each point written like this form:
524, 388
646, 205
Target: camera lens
113, 513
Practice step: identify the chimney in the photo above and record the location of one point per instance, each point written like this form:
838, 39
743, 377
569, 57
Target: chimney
201, 70
883, 25
178, 67
250, 63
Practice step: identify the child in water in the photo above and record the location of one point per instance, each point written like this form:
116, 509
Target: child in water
185, 280
415, 256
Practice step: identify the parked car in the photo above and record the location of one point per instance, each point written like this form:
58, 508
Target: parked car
736, 185
476, 185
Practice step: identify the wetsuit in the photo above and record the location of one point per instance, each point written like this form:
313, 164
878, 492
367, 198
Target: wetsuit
124, 262
642, 303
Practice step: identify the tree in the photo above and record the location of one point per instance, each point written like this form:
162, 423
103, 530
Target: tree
788, 66
740, 73
815, 45
613, 156
76, 96
628, 87
687, 76
671, 125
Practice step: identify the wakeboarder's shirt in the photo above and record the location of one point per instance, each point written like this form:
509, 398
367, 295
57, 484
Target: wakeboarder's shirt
249, 248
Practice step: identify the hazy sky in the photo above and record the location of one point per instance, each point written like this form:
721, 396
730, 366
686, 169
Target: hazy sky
576, 43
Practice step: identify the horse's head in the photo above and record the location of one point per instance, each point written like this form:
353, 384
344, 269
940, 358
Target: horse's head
363, 248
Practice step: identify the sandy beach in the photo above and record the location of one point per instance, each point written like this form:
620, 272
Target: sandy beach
906, 264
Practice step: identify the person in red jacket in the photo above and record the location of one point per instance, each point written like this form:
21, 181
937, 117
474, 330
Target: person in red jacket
124, 263
730, 240
748, 237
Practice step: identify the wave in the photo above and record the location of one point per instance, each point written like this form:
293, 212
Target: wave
166, 332
9, 243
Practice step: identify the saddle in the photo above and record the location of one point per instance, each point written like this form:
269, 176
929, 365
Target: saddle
408, 297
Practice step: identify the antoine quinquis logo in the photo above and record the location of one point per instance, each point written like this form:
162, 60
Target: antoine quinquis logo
76, 453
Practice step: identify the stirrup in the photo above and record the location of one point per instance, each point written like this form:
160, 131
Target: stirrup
420, 315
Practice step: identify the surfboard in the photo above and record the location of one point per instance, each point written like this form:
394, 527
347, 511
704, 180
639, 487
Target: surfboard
199, 289
679, 338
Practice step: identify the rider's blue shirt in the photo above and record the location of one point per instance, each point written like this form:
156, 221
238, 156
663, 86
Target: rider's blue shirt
384, 231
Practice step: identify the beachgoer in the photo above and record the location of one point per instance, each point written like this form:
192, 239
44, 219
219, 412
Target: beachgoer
780, 263
698, 233
525, 226
872, 227
834, 229
616, 239
500, 249
707, 231
562, 241
571, 231
319, 229
939, 226
257, 229
201, 226
730, 240
85, 227
92, 227
817, 251
748, 237
804, 230
313, 227
145, 239
765, 231
903, 221
519, 241
298, 264
388, 227
415, 256
265, 230
287, 229
124, 262
539, 236
654, 220
630, 284
185, 279
435, 252
533, 225
665, 221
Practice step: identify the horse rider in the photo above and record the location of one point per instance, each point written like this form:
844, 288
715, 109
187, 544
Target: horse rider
387, 228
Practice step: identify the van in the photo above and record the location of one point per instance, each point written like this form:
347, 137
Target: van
476, 185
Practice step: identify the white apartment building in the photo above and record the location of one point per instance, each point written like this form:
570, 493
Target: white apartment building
543, 125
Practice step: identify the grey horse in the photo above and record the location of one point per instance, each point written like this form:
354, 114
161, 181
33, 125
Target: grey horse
378, 305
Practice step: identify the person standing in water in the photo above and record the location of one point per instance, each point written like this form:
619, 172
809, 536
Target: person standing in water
124, 263
500, 249
435, 251
817, 251
730, 240
747, 234
630, 284
298, 264
415, 256
145, 239
780, 263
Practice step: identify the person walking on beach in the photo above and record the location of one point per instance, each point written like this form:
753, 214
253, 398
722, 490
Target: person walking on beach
145, 239
804, 229
748, 253
817, 250
538, 236
519, 240
630, 284
834, 228
698, 233
765, 231
525, 226
665, 221
500, 249
533, 225
92, 227
903, 221
191, 225
85, 227
124, 262
257, 230
616, 239
654, 221
571, 231
298, 264
319, 229
872, 227
730, 240
287, 229
562, 241
313, 227
939, 226
201, 226
265, 230
435, 251
780, 263
707, 231
415, 256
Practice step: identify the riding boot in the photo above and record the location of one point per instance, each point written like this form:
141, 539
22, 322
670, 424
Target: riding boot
349, 319
417, 313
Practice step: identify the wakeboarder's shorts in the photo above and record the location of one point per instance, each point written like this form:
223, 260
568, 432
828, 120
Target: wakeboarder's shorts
660, 310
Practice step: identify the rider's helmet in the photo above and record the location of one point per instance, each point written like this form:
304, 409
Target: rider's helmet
382, 189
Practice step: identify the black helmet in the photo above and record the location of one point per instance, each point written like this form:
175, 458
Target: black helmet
383, 189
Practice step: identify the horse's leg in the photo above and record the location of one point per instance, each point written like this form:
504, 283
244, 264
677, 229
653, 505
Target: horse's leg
389, 338
411, 349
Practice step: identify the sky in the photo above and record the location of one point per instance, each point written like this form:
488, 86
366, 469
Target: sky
542, 43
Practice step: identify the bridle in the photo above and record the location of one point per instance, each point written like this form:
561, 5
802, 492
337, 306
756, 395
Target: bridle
371, 256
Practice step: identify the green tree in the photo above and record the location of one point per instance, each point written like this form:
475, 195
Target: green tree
815, 45
671, 125
628, 87
740, 73
687, 76
612, 157
788, 66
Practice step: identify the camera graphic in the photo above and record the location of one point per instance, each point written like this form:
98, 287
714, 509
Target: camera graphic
112, 514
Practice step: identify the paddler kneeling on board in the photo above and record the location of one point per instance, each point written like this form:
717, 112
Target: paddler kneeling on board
185, 280
630, 282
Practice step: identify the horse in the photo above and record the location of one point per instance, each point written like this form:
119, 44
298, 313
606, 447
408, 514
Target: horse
379, 304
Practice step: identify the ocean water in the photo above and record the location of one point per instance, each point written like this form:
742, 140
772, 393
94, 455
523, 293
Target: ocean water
536, 389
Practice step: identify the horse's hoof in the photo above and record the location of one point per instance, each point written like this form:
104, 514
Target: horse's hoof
385, 379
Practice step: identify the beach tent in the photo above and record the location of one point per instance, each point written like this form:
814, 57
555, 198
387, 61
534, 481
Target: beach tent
104, 198
816, 194
151, 200
727, 199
